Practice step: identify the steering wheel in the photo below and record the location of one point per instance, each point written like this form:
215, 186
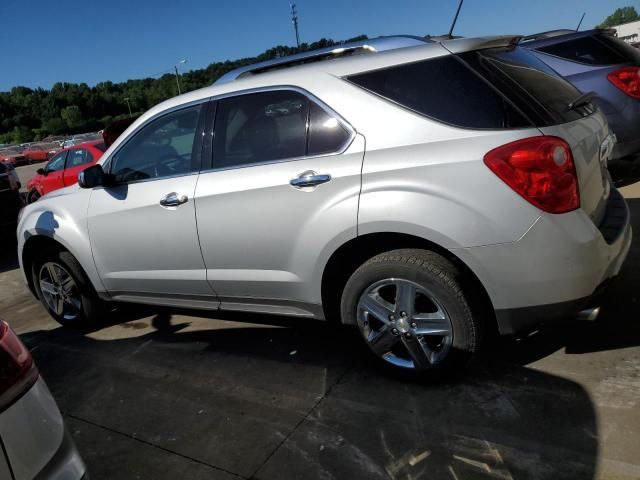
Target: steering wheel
162, 169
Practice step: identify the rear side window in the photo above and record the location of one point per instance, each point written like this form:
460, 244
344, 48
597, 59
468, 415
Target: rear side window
270, 126
326, 133
446, 90
588, 50
534, 87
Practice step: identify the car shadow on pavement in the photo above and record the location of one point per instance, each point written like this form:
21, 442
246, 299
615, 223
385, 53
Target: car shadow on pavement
302, 401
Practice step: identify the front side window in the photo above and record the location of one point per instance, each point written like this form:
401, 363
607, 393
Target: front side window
78, 156
162, 148
56, 163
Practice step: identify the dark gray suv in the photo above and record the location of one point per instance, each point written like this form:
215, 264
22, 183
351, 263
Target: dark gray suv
595, 61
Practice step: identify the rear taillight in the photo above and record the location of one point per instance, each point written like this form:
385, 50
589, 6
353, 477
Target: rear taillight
627, 79
17, 370
541, 170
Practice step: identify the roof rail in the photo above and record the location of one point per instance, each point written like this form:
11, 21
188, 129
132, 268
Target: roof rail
372, 45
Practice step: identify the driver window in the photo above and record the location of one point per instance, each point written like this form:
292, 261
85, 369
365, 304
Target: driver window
163, 148
56, 163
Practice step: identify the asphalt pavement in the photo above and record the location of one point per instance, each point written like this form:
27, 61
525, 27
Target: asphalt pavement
165, 394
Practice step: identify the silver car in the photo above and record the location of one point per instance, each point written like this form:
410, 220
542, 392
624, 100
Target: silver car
35, 443
422, 194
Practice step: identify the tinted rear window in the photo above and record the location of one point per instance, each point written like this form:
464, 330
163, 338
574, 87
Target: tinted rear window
588, 50
527, 81
446, 90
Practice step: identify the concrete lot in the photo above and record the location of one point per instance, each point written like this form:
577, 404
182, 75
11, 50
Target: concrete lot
168, 394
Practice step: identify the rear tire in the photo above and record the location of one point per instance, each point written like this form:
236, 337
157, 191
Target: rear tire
412, 313
65, 290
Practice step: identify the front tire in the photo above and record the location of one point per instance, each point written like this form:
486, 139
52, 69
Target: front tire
64, 289
33, 196
412, 313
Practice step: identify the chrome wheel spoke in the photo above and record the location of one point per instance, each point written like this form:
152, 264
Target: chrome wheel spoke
47, 287
405, 297
382, 341
435, 323
67, 284
53, 274
420, 353
375, 306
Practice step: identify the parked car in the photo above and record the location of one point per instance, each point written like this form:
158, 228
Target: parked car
595, 61
39, 152
10, 201
32, 432
63, 169
14, 156
419, 194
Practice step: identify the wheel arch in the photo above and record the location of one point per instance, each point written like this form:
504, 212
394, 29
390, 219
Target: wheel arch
350, 255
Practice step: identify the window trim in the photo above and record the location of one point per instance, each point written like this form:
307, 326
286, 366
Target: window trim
208, 161
196, 164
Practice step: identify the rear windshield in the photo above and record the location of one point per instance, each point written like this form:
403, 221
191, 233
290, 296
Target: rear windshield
598, 49
444, 89
529, 83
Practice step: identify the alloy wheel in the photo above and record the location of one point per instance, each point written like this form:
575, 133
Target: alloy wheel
60, 291
404, 324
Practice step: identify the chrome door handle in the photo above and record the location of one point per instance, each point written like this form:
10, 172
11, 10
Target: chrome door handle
309, 179
173, 200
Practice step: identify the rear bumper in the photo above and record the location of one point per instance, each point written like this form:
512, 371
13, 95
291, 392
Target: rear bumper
555, 269
36, 443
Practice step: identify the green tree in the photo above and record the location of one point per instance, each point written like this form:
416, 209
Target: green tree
72, 117
620, 16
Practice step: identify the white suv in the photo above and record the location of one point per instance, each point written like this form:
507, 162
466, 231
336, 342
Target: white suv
419, 193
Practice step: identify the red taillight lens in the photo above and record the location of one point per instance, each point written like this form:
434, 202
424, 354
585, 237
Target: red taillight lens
541, 170
627, 79
17, 370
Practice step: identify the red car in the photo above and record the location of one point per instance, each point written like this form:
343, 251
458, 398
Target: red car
39, 152
63, 168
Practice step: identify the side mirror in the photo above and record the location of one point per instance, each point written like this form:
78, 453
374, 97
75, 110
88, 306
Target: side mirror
41, 171
92, 177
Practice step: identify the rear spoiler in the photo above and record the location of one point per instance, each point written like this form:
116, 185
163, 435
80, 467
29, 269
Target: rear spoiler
562, 32
460, 45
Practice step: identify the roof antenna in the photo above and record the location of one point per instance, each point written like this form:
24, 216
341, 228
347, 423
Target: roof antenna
581, 19
455, 19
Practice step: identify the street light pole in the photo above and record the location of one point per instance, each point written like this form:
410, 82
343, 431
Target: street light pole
294, 20
177, 75
126, 99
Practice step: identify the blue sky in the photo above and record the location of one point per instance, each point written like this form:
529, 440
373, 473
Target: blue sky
46, 41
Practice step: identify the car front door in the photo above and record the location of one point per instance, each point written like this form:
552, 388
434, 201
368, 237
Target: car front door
142, 228
282, 189
54, 173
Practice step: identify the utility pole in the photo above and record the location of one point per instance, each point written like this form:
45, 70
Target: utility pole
177, 75
294, 20
455, 19
580, 22
126, 99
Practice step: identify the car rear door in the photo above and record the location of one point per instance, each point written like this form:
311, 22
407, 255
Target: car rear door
142, 229
281, 191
